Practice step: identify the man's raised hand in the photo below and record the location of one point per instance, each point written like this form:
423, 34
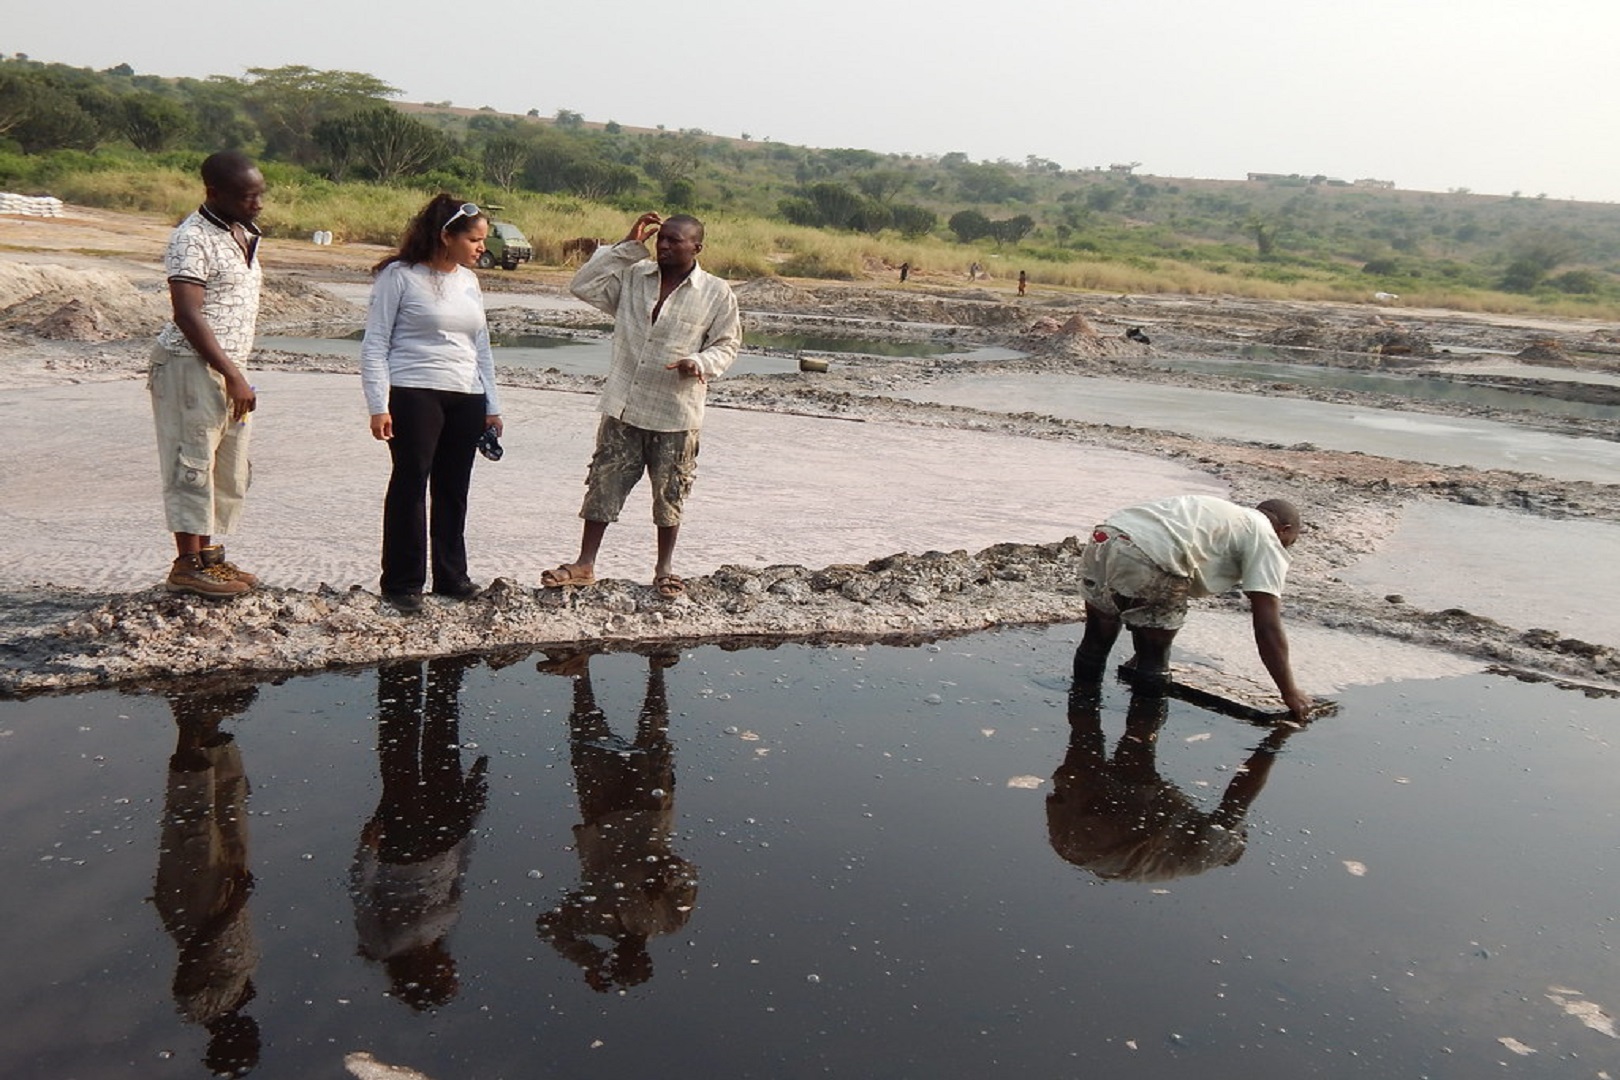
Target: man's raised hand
645, 226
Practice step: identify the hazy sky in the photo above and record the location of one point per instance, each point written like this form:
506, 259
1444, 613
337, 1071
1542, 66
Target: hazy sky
1433, 94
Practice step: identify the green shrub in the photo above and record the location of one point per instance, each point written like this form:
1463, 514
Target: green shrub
1578, 281
16, 172
914, 221
57, 164
814, 264
735, 265
1522, 276
186, 161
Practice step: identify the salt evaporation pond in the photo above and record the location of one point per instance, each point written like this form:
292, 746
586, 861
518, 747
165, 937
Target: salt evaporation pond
1418, 387
590, 356
1519, 569
584, 356
1440, 440
873, 862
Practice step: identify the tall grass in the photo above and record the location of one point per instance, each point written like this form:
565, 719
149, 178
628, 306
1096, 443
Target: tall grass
166, 192
353, 213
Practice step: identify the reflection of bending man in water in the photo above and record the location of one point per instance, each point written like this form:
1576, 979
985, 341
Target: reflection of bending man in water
632, 886
1118, 818
413, 854
203, 882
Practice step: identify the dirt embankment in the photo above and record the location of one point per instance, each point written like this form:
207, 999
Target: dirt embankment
90, 304
153, 635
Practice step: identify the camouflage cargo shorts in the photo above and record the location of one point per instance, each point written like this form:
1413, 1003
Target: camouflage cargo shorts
622, 454
1118, 579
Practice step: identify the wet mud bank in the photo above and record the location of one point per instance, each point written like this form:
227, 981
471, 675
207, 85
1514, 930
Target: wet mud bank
153, 635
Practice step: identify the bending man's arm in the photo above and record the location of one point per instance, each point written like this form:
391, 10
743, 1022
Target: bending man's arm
1272, 642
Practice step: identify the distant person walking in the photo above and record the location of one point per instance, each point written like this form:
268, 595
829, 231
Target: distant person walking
429, 382
905, 272
675, 327
1143, 563
1023, 282
201, 399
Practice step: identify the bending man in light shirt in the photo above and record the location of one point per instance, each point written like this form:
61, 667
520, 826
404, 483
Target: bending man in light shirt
1144, 562
675, 327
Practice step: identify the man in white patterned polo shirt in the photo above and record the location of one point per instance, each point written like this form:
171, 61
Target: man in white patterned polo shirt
201, 400
675, 327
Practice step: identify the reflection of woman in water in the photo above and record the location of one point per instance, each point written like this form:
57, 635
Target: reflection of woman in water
1118, 818
203, 882
406, 880
632, 886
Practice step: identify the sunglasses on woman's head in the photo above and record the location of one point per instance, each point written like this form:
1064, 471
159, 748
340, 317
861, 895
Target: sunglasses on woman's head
466, 209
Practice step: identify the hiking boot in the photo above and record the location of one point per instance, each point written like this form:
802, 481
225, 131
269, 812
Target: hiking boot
189, 575
457, 590
214, 555
407, 603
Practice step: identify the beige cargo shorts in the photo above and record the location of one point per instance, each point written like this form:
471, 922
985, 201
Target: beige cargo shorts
202, 453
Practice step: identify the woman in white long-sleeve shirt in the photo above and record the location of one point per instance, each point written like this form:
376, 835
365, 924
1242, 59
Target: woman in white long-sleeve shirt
429, 381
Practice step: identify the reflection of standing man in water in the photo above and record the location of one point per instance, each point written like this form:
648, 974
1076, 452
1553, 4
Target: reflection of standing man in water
203, 882
1118, 818
632, 886
413, 854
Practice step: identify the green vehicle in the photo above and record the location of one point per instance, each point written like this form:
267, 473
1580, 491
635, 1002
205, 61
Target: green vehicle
505, 245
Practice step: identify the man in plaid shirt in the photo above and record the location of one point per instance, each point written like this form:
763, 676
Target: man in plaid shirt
675, 327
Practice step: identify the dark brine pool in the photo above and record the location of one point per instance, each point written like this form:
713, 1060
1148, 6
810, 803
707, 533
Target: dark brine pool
796, 862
